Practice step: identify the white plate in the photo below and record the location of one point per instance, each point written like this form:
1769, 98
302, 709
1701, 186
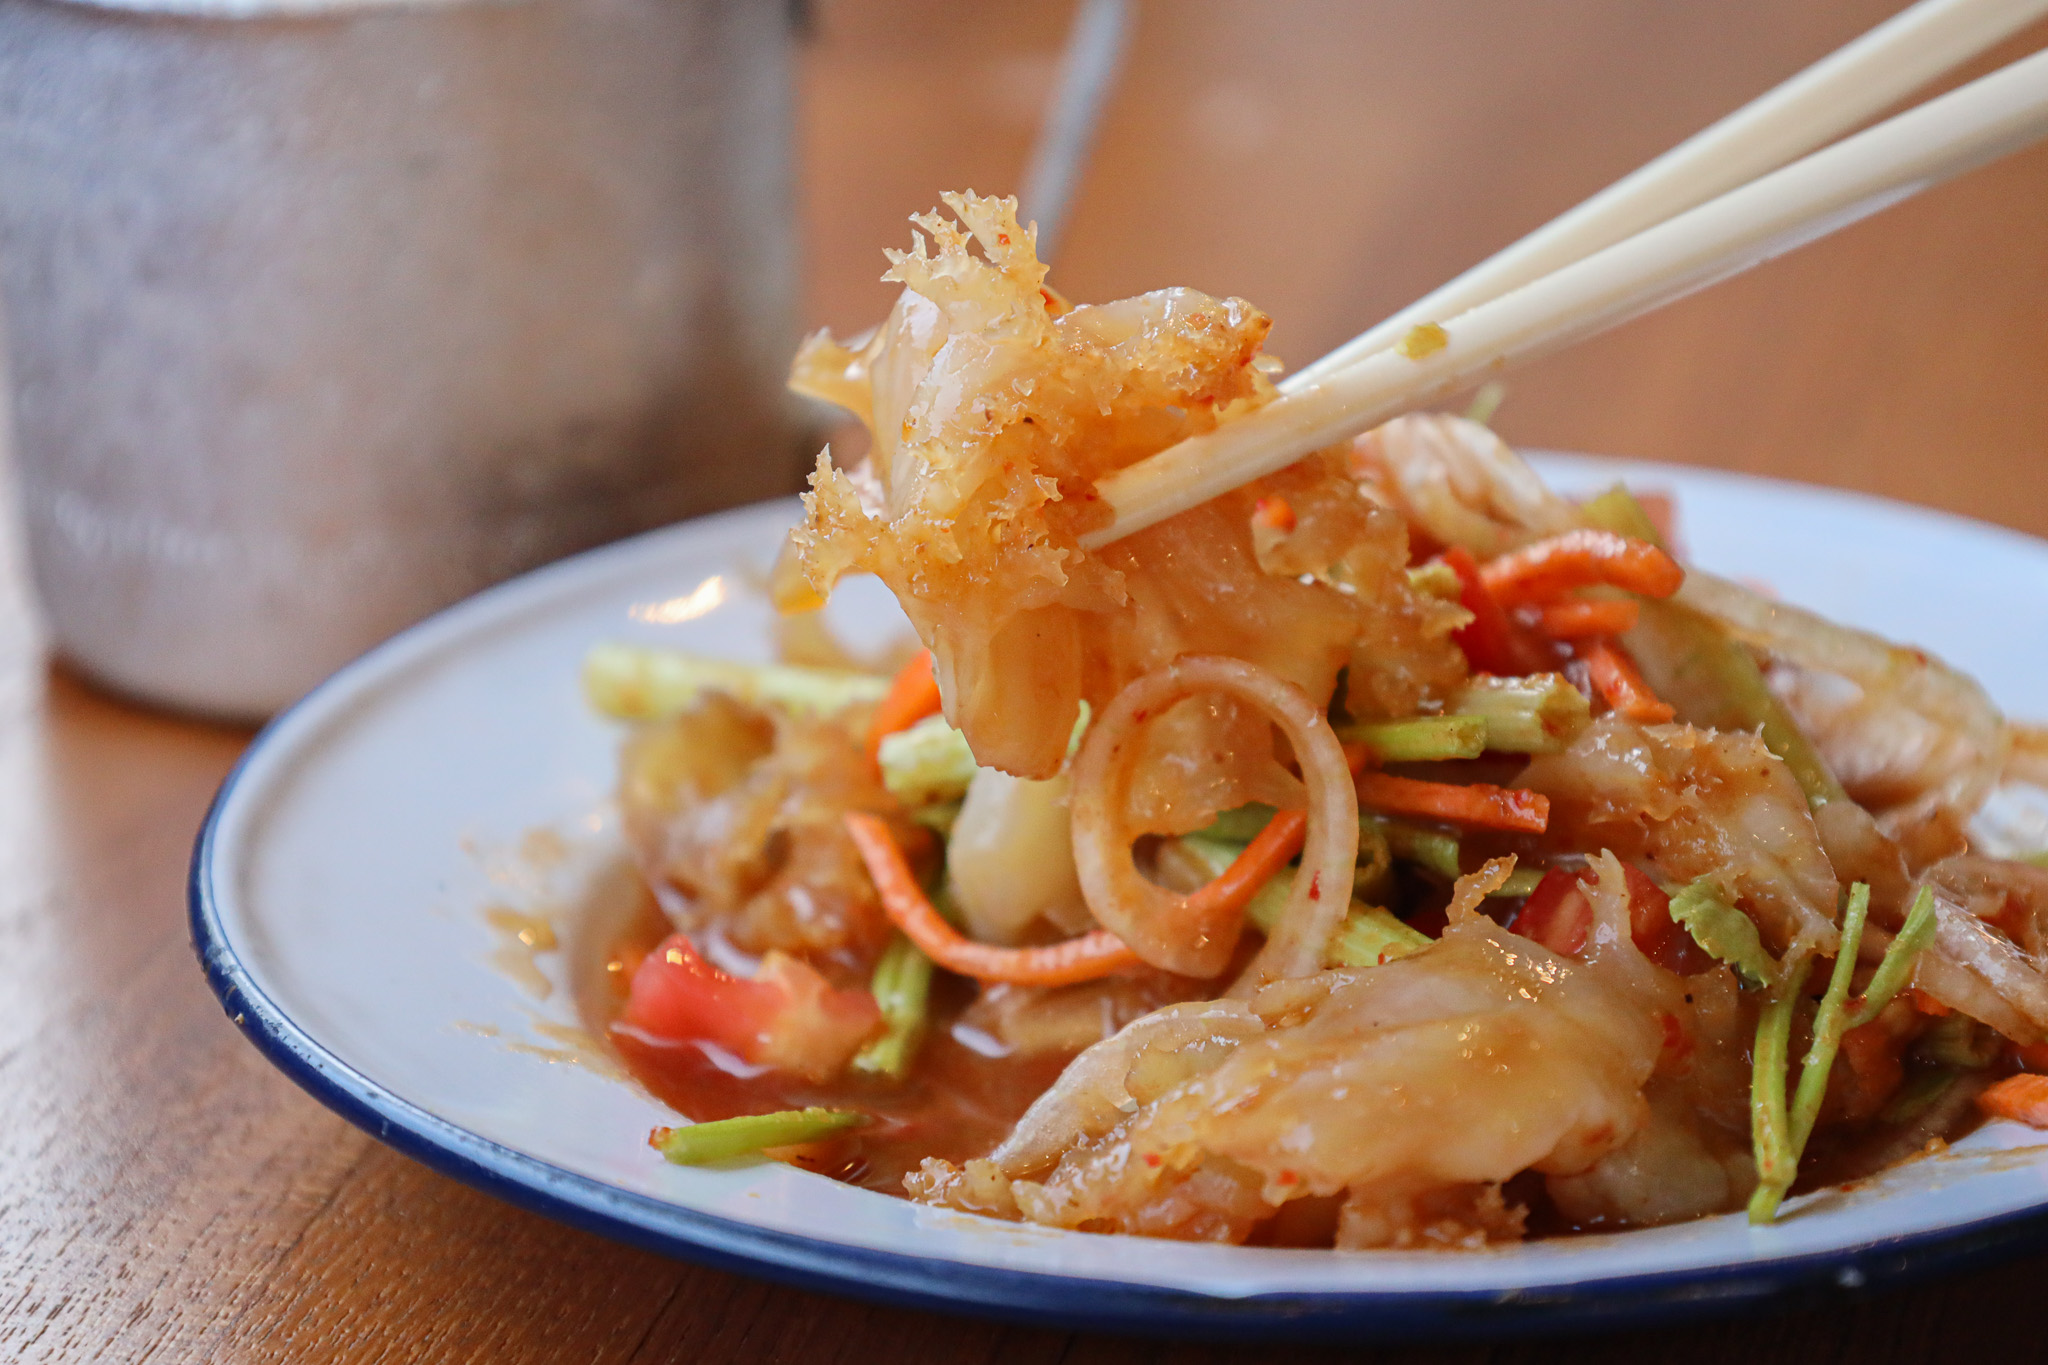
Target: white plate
339, 885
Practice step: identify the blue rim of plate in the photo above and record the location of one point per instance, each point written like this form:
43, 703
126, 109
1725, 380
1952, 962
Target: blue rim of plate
1026, 1297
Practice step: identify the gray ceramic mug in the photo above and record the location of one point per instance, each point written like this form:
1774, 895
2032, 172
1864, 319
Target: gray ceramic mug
323, 315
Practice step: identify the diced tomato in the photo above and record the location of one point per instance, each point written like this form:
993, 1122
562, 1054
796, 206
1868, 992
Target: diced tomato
1492, 643
1432, 921
2032, 1056
788, 1017
1559, 916
1660, 938
1556, 914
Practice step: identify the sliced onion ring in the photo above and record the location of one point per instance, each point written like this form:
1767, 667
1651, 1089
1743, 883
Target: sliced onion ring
1188, 934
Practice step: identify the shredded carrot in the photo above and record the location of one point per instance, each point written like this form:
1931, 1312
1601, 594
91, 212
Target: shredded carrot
2023, 1097
1078, 959
1477, 803
1619, 684
1579, 618
1269, 851
1548, 569
912, 696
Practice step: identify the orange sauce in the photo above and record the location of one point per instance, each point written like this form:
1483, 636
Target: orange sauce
958, 1101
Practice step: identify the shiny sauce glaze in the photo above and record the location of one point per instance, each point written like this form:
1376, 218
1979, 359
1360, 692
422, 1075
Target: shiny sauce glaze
966, 1093
960, 1100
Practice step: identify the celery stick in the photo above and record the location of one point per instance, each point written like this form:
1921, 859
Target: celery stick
727, 1138
1375, 863
1367, 936
1421, 739
1370, 936
633, 682
927, 762
1427, 848
1238, 826
1262, 911
1538, 714
901, 985
1523, 881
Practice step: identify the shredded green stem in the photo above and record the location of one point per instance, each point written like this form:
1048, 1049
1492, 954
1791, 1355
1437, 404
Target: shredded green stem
901, 985
1541, 713
1830, 1022
1421, 739
1776, 1162
724, 1139
1896, 969
1780, 1136
1426, 848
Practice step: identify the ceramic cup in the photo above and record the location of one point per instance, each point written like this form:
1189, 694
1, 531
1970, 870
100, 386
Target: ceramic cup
323, 315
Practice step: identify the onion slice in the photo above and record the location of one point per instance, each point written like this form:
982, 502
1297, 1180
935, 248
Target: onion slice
1195, 935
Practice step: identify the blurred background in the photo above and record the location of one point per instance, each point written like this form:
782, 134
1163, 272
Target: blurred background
322, 321
1332, 160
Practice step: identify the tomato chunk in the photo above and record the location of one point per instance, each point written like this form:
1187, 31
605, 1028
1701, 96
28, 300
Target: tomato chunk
787, 1017
1659, 937
1559, 916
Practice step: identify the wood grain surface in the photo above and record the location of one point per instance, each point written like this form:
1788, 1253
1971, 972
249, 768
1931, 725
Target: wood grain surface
165, 1196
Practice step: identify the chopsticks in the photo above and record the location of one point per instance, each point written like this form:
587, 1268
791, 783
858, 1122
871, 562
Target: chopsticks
1812, 108
1722, 236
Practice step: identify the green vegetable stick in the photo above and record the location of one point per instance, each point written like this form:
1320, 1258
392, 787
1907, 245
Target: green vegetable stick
902, 986
1239, 825
1834, 1019
1538, 714
1426, 848
1831, 1022
1770, 1064
1370, 936
1521, 882
724, 1139
1896, 968
634, 682
1421, 739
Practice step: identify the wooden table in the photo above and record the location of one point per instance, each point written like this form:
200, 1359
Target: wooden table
165, 1195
